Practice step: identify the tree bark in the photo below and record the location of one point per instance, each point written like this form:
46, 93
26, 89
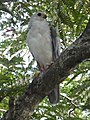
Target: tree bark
46, 81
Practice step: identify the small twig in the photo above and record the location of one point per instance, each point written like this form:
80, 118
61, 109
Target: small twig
68, 98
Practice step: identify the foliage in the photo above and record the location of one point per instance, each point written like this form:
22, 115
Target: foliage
17, 66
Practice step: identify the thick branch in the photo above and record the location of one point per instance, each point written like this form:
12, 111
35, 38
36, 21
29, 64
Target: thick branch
41, 86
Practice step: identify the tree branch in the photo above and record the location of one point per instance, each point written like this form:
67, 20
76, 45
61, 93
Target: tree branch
4, 8
42, 85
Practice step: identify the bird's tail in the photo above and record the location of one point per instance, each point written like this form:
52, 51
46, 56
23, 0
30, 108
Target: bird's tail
54, 95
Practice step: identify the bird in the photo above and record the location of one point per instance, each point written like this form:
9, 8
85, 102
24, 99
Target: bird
44, 46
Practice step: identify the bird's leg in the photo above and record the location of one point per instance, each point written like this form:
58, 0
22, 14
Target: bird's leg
42, 68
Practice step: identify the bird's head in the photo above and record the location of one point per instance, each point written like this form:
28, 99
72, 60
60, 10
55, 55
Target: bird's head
39, 16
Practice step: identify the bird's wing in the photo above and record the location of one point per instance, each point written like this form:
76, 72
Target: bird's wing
55, 43
54, 95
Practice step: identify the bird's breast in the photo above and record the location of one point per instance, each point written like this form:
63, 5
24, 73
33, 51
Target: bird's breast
40, 45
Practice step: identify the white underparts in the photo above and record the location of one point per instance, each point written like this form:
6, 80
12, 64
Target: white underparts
39, 42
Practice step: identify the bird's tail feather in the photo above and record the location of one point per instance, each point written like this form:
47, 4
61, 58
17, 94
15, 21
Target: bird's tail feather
54, 95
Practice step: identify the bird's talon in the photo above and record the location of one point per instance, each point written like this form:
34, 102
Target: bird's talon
48, 65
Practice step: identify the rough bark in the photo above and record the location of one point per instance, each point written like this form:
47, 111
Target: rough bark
45, 82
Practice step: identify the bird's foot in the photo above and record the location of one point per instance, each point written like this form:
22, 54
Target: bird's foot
48, 65
44, 68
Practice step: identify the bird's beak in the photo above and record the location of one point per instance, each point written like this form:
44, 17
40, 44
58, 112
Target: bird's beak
44, 16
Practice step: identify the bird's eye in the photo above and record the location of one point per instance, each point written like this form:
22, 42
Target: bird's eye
39, 14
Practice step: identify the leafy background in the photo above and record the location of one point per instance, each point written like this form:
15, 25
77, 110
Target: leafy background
17, 66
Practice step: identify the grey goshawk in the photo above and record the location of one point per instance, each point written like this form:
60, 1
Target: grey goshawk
44, 46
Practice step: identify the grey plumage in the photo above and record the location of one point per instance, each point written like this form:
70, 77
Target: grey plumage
44, 46
54, 95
